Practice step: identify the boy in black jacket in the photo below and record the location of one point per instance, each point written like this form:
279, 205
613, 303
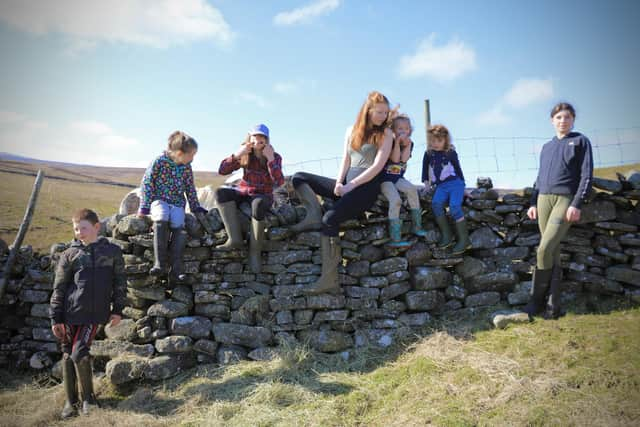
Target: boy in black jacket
89, 289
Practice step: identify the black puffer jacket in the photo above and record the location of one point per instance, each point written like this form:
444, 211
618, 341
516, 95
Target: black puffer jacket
89, 279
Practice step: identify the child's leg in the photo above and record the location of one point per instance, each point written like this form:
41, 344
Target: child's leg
178, 242
227, 203
260, 205
83, 336
438, 202
389, 191
69, 378
455, 206
160, 212
414, 205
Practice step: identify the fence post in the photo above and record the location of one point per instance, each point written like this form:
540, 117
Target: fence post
427, 120
21, 233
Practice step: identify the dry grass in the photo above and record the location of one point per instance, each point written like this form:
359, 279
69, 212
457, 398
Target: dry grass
579, 370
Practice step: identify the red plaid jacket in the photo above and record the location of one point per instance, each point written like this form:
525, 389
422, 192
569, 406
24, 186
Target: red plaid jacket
257, 179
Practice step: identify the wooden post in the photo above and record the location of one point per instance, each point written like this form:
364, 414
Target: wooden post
427, 119
21, 233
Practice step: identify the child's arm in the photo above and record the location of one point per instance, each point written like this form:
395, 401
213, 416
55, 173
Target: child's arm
147, 187
405, 151
275, 170
190, 190
56, 307
395, 151
456, 164
119, 295
426, 178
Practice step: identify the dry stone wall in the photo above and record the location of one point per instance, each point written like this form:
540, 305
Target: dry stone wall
226, 313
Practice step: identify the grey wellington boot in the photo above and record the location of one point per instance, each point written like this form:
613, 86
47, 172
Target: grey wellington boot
176, 252
445, 232
331, 257
160, 244
85, 375
539, 286
229, 214
313, 219
395, 232
416, 218
554, 308
70, 387
463, 243
255, 245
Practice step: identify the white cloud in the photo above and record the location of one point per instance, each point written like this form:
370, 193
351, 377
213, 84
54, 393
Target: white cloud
306, 13
525, 92
253, 98
85, 142
152, 23
493, 117
285, 87
443, 63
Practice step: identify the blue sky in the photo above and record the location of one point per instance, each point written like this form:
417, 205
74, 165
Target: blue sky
105, 82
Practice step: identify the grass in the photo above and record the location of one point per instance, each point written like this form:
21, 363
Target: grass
63, 190
583, 369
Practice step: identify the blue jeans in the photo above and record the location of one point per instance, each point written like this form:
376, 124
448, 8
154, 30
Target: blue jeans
163, 211
451, 192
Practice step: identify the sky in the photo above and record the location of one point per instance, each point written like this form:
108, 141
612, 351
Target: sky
105, 82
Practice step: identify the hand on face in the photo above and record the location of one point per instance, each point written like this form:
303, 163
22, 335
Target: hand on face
268, 152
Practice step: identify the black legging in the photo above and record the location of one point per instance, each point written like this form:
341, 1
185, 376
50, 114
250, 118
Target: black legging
347, 207
260, 203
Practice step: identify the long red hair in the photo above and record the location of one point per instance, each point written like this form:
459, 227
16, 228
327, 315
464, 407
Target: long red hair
363, 129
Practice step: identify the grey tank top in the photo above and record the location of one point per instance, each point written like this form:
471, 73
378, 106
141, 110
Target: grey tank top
363, 158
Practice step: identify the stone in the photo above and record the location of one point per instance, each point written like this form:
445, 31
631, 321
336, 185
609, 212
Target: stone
502, 319
247, 336
113, 349
327, 341
205, 346
126, 330
359, 268
423, 300
131, 225
174, 344
361, 292
470, 267
624, 274
264, 354
374, 282
36, 297
394, 290
613, 186
429, 278
40, 360
495, 281
191, 326
325, 302
229, 354
482, 299
596, 211
168, 308
485, 238
122, 370
213, 310
43, 334
389, 265
379, 337
167, 366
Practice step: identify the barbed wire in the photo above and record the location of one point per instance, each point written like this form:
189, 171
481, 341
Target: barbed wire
512, 159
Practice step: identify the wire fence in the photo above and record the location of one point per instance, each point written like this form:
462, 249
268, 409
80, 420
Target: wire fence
511, 162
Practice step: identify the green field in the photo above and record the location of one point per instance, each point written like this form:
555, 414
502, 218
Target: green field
63, 190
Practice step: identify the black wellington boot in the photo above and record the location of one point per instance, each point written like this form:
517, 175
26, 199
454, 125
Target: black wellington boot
554, 307
85, 375
160, 244
539, 286
70, 387
176, 252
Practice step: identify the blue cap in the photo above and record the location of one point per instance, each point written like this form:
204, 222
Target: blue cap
259, 130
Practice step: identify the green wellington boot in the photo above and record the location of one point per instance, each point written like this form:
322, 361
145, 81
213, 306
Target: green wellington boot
463, 243
395, 227
416, 226
313, 218
255, 245
229, 213
539, 286
445, 232
160, 244
331, 257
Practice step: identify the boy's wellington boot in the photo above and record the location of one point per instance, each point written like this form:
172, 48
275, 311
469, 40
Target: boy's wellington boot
70, 387
539, 286
229, 214
416, 218
554, 307
85, 375
463, 242
331, 257
160, 244
445, 232
176, 252
313, 219
395, 227
255, 245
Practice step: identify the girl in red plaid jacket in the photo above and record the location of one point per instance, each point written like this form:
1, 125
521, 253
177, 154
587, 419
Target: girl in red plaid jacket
262, 172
